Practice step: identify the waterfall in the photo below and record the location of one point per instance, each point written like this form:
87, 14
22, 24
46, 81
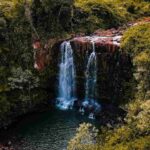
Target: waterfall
91, 80
91, 75
66, 89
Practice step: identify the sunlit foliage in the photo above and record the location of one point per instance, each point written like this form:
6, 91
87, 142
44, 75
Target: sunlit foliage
136, 41
133, 135
85, 137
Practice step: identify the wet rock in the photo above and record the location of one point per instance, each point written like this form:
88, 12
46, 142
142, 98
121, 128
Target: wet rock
109, 43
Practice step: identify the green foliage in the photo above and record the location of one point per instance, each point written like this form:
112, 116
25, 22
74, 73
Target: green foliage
139, 115
143, 57
22, 79
103, 13
48, 17
137, 8
19, 22
10, 8
134, 135
85, 136
20, 85
93, 14
137, 39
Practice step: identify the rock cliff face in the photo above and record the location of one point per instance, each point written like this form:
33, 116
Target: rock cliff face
136, 41
114, 67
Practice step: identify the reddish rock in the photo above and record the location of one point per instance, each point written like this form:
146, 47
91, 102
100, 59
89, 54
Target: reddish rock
36, 44
41, 56
109, 43
140, 21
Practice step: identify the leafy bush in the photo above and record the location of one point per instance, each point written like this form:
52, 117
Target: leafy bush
48, 17
22, 79
137, 39
132, 135
103, 13
85, 137
139, 115
93, 14
20, 85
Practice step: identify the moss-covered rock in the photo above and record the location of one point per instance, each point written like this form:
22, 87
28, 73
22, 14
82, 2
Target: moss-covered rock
136, 41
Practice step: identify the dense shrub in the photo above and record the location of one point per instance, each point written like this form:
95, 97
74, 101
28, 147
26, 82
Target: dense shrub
20, 22
136, 41
48, 17
105, 14
133, 135
93, 14
85, 137
139, 116
19, 81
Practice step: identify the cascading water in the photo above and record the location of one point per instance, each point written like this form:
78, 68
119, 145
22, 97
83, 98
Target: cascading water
66, 87
91, 77
91, 80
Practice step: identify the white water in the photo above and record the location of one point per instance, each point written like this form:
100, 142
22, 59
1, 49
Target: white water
116, 39
91, 80
91, 75
66, 89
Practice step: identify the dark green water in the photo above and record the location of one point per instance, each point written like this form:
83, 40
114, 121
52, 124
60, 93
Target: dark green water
49, 130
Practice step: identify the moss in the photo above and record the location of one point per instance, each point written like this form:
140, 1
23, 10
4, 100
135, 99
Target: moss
109, 13
136, 39
47, 17
138, 116
106, 13
137, 8
143, 58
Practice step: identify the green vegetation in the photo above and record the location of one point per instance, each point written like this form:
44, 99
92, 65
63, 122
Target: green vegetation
19, 81
86, 135
22, 88
104, 14
134, 134
93, 14
136, 41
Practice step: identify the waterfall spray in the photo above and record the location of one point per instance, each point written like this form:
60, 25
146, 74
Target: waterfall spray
66, 89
